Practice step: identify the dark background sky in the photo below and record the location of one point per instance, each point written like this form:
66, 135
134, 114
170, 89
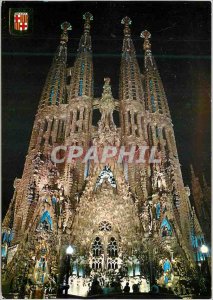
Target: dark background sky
182, 47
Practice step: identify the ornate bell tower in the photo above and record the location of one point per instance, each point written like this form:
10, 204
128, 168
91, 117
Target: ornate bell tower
166, 178
79, 112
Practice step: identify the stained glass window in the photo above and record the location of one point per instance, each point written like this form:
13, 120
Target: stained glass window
105, 226
112, 248
97, 247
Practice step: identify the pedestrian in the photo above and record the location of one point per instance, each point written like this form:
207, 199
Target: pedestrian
155, 288
126, 288
135, 288
95, 288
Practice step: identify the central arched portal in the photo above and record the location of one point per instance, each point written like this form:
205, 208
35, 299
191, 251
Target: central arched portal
104, 249
105, 253
106, 261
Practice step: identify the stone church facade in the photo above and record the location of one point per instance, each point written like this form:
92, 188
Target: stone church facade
123, 220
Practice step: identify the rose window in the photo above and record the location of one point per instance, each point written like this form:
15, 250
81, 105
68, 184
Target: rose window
105, 226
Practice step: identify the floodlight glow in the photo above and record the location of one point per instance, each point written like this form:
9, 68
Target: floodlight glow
69, 250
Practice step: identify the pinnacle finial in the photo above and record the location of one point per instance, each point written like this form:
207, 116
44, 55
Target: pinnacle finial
126, 21
87, 17
107, 80
65, 27
146, 35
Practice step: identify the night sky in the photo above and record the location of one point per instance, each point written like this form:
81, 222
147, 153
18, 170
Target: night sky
180, 42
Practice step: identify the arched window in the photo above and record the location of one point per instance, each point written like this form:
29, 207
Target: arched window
97, 247
96, 263
112, 264
166, 228
112, 248
106, 174
45, 222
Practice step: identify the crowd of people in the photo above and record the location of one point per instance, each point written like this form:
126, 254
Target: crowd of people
100, 285
114, 288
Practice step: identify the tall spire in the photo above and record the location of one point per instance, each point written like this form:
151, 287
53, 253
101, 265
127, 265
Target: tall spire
155, 95
128, 46
146, 35
85, 41
65, 27
54, 92
131, 95
87, 17
82, 72
126, 21
130, 78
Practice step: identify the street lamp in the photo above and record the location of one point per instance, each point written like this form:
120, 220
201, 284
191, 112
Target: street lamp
204, 249
69, 252
207, 275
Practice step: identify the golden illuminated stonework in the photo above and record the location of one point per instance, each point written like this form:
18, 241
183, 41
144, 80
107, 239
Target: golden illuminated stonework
73, 222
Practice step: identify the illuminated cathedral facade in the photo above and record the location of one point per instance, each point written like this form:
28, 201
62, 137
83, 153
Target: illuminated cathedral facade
71, 222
